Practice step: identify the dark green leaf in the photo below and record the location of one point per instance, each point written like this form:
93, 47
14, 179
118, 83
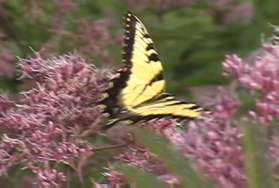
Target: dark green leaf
140, 178
258, 165
172, 159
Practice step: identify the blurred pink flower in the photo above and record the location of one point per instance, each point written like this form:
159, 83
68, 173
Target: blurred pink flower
141, 158
5, 105
67, 5
93, 35
241, 13
97, 38
216, 149
161, 6
49, 177
115, 178
221, 4
230, 11
214, 144
7, 65
261, 75
234, 66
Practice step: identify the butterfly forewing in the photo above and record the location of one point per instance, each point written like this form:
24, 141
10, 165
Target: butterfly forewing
139, 87
145, 66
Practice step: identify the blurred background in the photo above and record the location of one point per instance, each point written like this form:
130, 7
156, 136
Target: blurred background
192, 36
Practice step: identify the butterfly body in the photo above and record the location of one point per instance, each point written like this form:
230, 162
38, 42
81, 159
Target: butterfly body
138, 89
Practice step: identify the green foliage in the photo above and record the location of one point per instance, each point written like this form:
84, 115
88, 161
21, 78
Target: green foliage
140, 178
171, 158
258, 166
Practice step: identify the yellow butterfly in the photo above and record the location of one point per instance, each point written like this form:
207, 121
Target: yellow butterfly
138, 89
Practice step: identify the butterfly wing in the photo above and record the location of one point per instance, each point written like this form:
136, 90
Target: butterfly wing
146, 73
138, 87
167, 105
142, 78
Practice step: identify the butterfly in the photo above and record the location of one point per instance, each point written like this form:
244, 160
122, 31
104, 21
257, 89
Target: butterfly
137, 90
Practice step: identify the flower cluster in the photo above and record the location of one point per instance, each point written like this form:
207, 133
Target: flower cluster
96, 38
7, 68
50, 123
261, 77
232, 12
92, 36
67, 5
215, 145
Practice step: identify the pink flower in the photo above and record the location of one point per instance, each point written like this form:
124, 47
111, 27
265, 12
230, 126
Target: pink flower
7, 67
233, 66
216, 149
52, 120
242, 13
96, 38
141, 158
5, 105
114, 177
214, 144
67, 5
260, 75
48, 177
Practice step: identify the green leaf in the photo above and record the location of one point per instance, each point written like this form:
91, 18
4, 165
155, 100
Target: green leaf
258, 166
139, 177
171, 158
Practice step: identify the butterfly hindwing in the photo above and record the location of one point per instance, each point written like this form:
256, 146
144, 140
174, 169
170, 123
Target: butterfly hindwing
167, 105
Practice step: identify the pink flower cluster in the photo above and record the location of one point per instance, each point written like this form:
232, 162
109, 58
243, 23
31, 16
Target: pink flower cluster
261, 77
216, 145
7, 68
97, 38
93, 35
231, 11
67, 5
51, 122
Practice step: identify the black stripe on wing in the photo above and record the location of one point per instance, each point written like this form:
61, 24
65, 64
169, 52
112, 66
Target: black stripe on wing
168, 98
122, 75
129, 37
118, 83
